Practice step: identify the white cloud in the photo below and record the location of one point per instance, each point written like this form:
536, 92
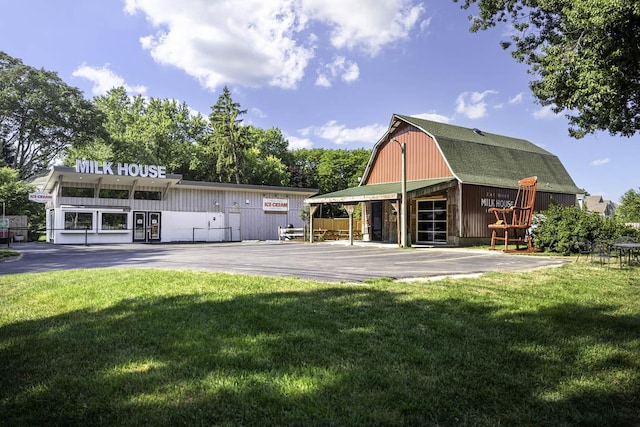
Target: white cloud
367, 24
258, 43
433, 117
545, 113
424, 25
296, 143
600, 162
104, 80
516, 99
473, 105
340, 134
341, 67
258, 112
323, 80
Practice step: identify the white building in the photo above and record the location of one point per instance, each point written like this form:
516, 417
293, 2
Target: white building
103, 202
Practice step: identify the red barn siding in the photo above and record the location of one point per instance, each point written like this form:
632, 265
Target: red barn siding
424, 159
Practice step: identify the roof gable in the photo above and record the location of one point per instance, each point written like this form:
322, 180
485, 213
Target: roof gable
472, 135
483, 158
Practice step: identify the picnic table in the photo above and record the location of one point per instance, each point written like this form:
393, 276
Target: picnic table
319, 234
629, 250
341, 234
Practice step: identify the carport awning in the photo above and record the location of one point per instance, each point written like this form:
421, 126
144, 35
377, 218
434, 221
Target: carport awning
386, 191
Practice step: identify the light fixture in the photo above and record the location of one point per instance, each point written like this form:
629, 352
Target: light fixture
247, 201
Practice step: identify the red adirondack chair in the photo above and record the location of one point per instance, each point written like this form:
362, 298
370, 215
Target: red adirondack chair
513, 222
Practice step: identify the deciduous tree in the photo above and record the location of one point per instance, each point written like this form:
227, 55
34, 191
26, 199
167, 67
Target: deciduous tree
153, 131
14, 194
41, 117
267, 161
629, 208
584, 54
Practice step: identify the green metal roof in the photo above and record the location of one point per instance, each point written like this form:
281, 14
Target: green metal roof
483, 158
475, 157
386, 191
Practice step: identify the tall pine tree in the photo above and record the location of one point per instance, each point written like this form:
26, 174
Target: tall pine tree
229, 138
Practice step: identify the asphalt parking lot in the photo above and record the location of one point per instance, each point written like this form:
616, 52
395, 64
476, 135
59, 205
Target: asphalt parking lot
333, 262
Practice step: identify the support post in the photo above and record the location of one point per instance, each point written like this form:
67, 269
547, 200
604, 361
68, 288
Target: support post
350, 209
312, 210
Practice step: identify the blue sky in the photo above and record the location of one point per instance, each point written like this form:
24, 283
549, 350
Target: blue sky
328, 73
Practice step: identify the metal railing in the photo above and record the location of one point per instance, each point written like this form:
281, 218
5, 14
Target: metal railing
193, 233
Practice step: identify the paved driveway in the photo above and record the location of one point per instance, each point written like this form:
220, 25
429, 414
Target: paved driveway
320, 261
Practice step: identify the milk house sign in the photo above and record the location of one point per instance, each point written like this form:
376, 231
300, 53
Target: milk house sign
121, 169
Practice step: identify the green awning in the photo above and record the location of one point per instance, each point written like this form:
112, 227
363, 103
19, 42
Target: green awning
373, 192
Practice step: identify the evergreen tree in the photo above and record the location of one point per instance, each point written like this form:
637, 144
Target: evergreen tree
229, 138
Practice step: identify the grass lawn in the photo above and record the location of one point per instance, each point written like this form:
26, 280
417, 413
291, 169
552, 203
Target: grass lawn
8, 253
552, 347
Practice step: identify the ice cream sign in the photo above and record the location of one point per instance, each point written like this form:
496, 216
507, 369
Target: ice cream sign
40, 197
122, 169
277, 205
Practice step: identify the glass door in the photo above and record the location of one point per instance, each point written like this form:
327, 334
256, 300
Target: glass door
146, 226
139, 226
153, 221
431, 224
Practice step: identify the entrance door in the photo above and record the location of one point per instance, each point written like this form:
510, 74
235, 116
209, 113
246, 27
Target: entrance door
376, 221
146, 226
234, 226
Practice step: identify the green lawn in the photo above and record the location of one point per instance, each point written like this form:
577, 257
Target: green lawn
553, 347
8, 253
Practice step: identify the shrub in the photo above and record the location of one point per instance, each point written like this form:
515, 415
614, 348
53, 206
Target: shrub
559, 228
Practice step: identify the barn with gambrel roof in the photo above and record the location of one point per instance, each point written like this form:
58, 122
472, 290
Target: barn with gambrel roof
453, 175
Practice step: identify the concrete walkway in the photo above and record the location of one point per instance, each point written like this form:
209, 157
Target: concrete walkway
335, 261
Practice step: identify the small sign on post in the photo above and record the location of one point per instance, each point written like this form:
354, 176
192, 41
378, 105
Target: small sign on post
4, 223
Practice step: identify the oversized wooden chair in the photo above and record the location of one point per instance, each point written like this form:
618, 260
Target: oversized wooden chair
513, 222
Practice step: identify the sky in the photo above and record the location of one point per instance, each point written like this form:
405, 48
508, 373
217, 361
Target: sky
327, 73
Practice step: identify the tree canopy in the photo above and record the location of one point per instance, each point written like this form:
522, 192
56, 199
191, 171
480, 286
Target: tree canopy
148, 131
14, 193
629, 208
40, 117
584, 54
